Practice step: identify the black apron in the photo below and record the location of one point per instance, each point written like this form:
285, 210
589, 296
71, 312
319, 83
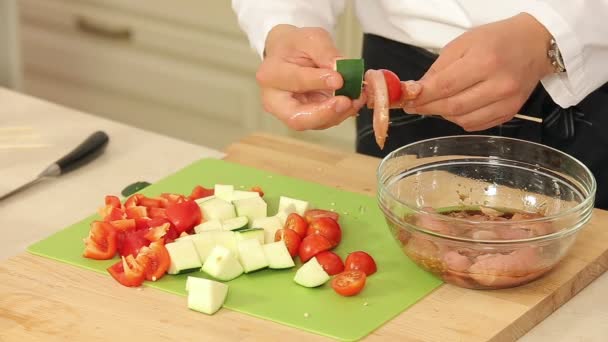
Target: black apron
577, 131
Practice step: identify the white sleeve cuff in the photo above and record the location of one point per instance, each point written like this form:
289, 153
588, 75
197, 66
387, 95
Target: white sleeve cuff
257, 18
259, 40
569, 88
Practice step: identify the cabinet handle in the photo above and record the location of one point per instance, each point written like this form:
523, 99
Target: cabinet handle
97, 29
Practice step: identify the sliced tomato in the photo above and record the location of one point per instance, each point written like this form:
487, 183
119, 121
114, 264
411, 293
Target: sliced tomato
142, 223
200, 192
349, 283
172, 235
296, 223
184, 215
361, 261
133, 241
316, 213
393, 84
128, 271
101, 242
291, 239
157, 221
157, 212
158, 232
133, 200
259, 190
113, 201
313, 245
327, 227
172, 198
124, 225
156, 259
152, 202
137, 212
110, 213
331, 262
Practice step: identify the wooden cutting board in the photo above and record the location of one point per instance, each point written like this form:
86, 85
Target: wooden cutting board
44, 300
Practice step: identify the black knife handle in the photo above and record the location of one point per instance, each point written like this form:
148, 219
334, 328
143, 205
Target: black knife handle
84, 153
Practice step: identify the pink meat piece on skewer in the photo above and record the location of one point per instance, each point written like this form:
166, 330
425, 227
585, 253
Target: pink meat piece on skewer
378, 93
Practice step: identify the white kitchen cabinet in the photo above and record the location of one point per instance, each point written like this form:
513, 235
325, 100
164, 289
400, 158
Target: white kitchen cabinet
10, 75
181, 68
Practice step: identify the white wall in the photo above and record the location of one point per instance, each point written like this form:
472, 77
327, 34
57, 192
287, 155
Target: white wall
10, 75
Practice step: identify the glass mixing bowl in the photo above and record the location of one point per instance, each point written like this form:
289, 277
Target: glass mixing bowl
484, 212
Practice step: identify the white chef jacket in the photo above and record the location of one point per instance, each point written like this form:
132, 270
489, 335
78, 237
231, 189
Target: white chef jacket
579, 27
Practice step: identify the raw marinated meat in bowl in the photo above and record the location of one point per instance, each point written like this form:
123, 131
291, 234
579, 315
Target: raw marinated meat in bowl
484, 212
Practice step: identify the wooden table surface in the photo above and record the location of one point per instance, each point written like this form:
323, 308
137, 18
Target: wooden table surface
43, 300
48, 300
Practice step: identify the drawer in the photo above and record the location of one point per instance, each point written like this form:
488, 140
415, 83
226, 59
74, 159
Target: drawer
203, 14
124, 29
187, 126
207, 91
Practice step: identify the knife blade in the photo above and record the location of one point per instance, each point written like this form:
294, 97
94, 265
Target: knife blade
84, 153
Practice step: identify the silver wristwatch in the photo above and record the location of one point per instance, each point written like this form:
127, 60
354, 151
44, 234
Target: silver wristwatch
556, 57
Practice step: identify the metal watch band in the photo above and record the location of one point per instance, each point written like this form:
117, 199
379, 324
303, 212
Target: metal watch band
555, 56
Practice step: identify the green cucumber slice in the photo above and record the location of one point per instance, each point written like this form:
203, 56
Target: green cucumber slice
208, 226
352, 72
240, 194
236, 223
277, 255
251, 255
223, 191
222, 264
133, 188
311, 274
270, 225
289, 205
206, 296
217, 208
252, 233
252, 208
184, 257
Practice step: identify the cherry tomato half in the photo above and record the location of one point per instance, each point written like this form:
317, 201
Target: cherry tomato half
349, 283
393, 84
331, 262
360, 261
327, 227
296, 223
290, 238
316, 213
313, 245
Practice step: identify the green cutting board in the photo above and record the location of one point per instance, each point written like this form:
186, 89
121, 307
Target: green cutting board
272, 294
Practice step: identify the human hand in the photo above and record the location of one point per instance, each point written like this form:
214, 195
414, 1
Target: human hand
482, 78
297, 79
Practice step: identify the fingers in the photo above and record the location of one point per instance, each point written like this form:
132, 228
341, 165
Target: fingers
304, 116
353, 111
275, 73
455, 78
450, 53
486, 117
467, 101
320, 47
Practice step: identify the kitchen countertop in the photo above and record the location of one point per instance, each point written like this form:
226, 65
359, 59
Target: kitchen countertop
34, 133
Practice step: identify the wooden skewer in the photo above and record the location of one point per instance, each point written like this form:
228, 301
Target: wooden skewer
529, 118
519, 116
